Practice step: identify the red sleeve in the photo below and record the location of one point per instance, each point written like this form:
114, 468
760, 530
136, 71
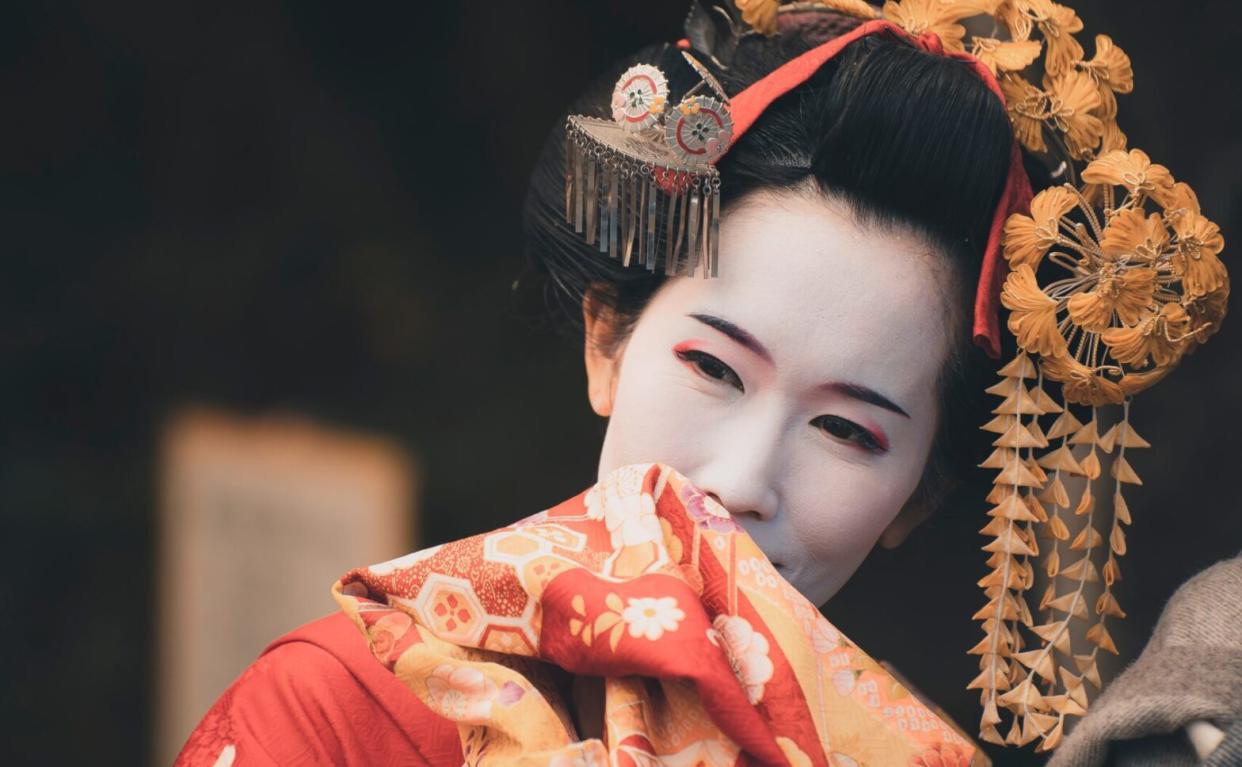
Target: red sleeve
317, 697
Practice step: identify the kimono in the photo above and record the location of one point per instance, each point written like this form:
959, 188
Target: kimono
462, 654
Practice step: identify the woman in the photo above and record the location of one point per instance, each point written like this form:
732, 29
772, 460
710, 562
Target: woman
816, 388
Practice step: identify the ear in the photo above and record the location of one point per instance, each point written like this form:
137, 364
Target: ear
909, 518
601, 351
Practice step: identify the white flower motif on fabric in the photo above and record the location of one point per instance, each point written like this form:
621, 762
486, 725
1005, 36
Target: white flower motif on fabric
628, 513
825, 638
759, 571
461, 693
593, 503
650, 617
633, 521
843, 681
747, 651
622, 482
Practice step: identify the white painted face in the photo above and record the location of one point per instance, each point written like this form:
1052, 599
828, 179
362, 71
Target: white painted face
798, 387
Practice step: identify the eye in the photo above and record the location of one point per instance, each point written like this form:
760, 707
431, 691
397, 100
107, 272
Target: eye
711, 367
849, 431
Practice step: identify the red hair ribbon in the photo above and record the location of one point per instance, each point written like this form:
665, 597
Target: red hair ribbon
1016, 197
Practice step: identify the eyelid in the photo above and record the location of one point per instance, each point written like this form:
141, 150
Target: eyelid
876, 436
693, 356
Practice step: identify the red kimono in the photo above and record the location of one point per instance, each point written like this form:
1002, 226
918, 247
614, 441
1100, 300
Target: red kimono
317, 696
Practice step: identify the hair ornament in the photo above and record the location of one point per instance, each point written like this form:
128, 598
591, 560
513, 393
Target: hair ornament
647, 176
638, 99
1111, 278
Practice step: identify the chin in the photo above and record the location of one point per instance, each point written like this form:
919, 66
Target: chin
810, 585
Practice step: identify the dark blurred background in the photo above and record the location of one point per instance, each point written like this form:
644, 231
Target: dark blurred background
314, 208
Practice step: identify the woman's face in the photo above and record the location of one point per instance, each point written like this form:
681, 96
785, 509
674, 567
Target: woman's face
798, 387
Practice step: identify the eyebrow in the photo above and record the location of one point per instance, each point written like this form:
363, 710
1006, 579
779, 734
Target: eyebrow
852, 390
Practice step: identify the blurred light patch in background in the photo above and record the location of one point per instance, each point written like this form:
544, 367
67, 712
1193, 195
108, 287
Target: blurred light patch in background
258, 517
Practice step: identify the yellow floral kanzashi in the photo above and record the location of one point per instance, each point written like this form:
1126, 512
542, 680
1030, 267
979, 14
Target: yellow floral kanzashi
1177, 197
1127, 293
939, 17
1151, 287
1196, 262
1206, 313
1028, 238
1160, 337
1080, 383
1028, 108
857, 8
760, 14
1055, 22
1032, 314
1005, 56
1133, 383
1072, 97
1114, 138
1110, 68
1133, 170
1131, 236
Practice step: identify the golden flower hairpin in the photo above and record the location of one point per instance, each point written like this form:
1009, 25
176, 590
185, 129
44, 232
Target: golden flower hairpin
1133, 290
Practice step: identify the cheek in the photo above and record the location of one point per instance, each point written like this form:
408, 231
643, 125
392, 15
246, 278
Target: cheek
846, 516
838, 514
658, 413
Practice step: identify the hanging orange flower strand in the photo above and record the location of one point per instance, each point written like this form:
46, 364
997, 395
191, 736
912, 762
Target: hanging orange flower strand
1133, 291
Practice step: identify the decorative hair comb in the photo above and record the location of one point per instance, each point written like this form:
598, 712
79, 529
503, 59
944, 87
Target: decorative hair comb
650, 170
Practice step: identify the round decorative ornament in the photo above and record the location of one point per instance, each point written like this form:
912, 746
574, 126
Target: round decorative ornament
639, 97
699, 130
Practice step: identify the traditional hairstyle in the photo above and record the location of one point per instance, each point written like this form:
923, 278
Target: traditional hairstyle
868, 128
1111, 276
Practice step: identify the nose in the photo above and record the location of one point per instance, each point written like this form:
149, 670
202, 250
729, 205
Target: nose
740, 478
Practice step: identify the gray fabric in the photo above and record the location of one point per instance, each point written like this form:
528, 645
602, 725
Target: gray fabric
1229, 752
1153, 751
1191, 669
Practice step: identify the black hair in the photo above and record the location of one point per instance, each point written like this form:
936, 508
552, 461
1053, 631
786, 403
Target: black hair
906, 139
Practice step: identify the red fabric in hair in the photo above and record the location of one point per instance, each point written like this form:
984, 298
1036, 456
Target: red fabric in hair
747, 106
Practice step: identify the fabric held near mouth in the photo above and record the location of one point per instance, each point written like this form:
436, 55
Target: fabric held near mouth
649, 583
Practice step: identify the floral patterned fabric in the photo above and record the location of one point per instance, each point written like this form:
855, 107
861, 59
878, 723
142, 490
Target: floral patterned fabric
708, 656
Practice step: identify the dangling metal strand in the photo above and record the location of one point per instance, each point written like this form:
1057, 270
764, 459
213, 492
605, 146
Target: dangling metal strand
713, 257
604, 176
592, 202
578, 191
569, 182
631, 215
692, 232
681, 233
670, 223
651, 225
618, 204
614, 228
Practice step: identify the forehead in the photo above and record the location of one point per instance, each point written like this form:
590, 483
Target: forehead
828, 297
